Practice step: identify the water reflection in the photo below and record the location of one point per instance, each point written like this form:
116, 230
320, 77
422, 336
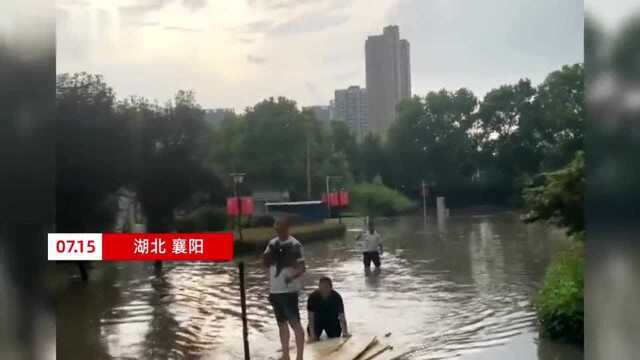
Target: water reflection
460, 288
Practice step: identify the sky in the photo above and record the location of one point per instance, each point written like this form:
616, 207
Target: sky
235, 53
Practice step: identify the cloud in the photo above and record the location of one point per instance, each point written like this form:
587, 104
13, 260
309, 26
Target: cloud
479, 45
143, 7
194, 5
260, 26
320, 18
309, 22
182, 29
347, 75
137, 12
484, 44
311, 88
73, 3
256, 59
246, 40
281, 4
141, 23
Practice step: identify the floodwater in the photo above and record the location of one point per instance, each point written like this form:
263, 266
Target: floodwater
458, 289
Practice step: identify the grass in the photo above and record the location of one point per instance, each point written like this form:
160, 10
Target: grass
560, 302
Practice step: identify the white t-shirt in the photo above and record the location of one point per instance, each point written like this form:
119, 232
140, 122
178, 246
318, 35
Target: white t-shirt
370, 242
277, 284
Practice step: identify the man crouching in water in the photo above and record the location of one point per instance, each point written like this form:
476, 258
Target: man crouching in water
326, 312
285, 261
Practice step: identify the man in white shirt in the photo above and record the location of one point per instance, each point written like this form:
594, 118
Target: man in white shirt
371, 247
285, 261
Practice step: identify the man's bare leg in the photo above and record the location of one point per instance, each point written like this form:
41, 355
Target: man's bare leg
298, 331
283, 327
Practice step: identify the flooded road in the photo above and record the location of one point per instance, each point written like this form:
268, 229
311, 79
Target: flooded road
460, 289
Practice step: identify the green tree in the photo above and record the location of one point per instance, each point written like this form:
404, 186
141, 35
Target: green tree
226, 143
344, 141
560, 198
272, 141
92, 159
273, 146
431, 140
170, 145
561, 103
507, 121
372, 158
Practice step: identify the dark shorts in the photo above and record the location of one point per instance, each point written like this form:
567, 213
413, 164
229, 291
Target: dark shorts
285, 306
369, 256
332, 330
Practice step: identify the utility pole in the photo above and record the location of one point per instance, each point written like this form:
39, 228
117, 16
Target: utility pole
308, 169
340, 205
424, 200
327, 197
237, 180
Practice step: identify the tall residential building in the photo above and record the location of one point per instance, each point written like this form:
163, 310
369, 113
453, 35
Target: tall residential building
215, 116
388, 76
332, 110
321, 112
350, 106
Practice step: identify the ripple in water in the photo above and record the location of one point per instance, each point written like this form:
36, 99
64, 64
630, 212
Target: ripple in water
443, 294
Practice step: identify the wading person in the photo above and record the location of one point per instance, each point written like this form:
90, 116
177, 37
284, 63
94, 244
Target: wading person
371, 247
285, 262
326, 312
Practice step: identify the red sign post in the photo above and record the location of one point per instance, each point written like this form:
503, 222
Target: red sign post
337, 199
246, 204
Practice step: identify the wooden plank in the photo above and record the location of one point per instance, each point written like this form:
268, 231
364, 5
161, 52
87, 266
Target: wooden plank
376, 352
371, 344
344, 349
353, 348
323, 349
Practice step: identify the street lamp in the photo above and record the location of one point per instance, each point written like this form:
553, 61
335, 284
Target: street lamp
238, 178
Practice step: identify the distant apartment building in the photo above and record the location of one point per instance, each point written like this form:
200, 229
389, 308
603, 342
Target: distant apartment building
214, 117
332, 110
388, 72
350, 106
321, 112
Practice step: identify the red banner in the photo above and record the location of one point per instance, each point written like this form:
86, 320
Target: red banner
344, 198
175, 247
337, 199
246, 203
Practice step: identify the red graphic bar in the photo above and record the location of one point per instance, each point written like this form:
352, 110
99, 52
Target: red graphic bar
168, 246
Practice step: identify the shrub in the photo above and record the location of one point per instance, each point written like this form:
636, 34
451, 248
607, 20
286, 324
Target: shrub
560, 198
560, 302
206, 218
263, 221
186, 224
378, 200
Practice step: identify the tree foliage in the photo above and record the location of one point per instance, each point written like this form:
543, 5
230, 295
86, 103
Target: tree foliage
104, 144
91, 152
269, 142
484, 151
560, 198
473, 151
